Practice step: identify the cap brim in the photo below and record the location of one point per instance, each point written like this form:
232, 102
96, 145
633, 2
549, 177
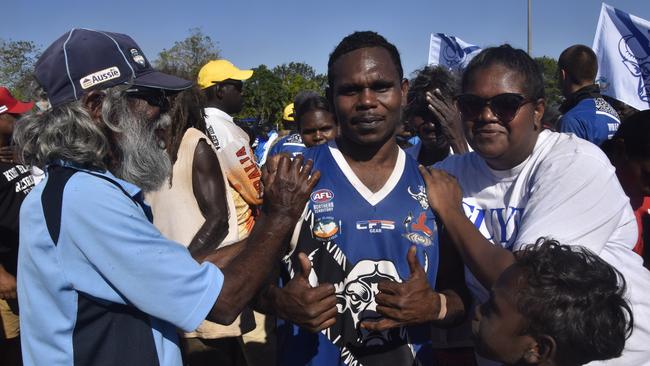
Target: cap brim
241, 75
21, 107
159, 80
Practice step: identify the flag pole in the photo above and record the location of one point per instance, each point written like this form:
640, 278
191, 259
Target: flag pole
529, 28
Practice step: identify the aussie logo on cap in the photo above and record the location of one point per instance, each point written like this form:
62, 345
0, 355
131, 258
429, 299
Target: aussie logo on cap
137, 57
99, 77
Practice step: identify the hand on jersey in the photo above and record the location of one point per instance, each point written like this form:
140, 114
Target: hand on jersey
446, 113
312, 308
407, 303
8, 154
443, 191
287, 185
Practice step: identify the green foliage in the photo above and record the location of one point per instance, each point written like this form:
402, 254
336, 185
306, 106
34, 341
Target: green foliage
17, 59
267, 92
186, 57
548, 66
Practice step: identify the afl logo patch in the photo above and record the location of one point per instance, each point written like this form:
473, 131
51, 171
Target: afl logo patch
322, 196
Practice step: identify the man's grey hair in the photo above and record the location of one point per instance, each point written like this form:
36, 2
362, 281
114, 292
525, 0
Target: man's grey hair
69, 133
65, 132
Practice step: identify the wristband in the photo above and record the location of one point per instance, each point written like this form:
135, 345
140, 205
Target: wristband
443, 307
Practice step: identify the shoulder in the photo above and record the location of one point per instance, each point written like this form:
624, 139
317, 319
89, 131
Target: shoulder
562, 151
454, 164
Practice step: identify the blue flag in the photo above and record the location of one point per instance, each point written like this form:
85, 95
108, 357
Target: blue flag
622, 45
450, 52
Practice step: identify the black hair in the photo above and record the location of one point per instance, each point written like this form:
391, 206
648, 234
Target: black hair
513, 59
635, 134
186, 111
575, 297
580, 64
358, 40
427, 79
306, 102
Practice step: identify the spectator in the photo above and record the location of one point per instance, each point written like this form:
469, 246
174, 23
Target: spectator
15, 182
629, 152
555, 305
585, 112
431, 111
97, 282
523, 182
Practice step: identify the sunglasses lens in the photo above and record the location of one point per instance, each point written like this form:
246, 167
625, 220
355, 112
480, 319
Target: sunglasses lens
505, 106
470, 106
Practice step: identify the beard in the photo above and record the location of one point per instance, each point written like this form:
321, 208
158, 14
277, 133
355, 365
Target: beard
143, 159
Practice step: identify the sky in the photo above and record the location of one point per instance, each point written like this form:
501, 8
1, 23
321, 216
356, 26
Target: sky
272, 32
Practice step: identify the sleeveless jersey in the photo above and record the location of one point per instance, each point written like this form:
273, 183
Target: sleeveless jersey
355, 239
291, 144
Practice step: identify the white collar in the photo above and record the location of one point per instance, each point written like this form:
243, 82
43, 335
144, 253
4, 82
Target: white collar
212, 111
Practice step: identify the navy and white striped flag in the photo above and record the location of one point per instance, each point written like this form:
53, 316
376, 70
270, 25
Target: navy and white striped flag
622, 45
451, 52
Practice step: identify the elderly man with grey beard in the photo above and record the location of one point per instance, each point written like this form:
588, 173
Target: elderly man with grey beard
97, 282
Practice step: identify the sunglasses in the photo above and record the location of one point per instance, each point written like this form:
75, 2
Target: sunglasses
154, 97
504, 106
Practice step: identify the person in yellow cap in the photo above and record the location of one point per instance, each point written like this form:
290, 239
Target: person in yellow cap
221, 83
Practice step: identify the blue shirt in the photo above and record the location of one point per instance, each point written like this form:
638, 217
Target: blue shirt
356, 238
291, 144
592, 119
105, 255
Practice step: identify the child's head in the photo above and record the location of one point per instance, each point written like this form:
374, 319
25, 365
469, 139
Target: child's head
556, 305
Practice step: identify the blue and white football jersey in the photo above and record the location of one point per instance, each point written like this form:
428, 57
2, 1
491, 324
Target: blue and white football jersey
355, 239
291, 144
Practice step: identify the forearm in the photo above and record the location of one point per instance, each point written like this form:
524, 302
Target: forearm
223, 255
251, 268
485, 260
209, 237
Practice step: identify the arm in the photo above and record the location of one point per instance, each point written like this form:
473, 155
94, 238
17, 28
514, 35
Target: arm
486, 261
287, 188
210, 193
7, 284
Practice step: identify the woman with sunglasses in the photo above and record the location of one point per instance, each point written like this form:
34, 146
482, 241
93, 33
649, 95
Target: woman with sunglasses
521, 183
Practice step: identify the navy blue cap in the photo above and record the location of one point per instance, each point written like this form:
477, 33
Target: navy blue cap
83, 60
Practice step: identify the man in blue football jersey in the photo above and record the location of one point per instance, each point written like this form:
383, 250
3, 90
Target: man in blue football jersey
364, 266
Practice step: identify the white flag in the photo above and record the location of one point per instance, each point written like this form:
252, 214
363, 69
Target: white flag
451, 52
622, 45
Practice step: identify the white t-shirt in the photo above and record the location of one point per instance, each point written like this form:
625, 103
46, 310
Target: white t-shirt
567, 190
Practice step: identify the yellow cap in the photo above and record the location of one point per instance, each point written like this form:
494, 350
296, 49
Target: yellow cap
220, 70
288, 113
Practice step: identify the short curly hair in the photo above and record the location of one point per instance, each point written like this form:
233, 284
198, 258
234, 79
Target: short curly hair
358, 40
427, 79
575, 297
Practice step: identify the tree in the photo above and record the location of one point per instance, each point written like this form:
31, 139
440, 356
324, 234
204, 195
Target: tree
267, 92
17, 59
186, 57
548, 66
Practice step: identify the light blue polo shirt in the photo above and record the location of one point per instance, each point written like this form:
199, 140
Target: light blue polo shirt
109, 251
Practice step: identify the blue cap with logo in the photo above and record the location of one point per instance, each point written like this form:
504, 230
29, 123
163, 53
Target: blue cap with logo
83, 59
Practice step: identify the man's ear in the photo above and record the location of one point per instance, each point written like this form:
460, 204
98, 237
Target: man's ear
93, 102
541, 351
219, 91
405, 89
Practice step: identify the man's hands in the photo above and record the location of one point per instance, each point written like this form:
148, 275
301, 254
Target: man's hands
443, 191
445, 111
312, 308
408, 303
287, 185
7, 285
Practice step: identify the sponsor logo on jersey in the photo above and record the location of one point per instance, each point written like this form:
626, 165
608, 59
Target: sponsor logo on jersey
325, 228
417, 232
420, 196
375, 226
322, 196
99, 77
